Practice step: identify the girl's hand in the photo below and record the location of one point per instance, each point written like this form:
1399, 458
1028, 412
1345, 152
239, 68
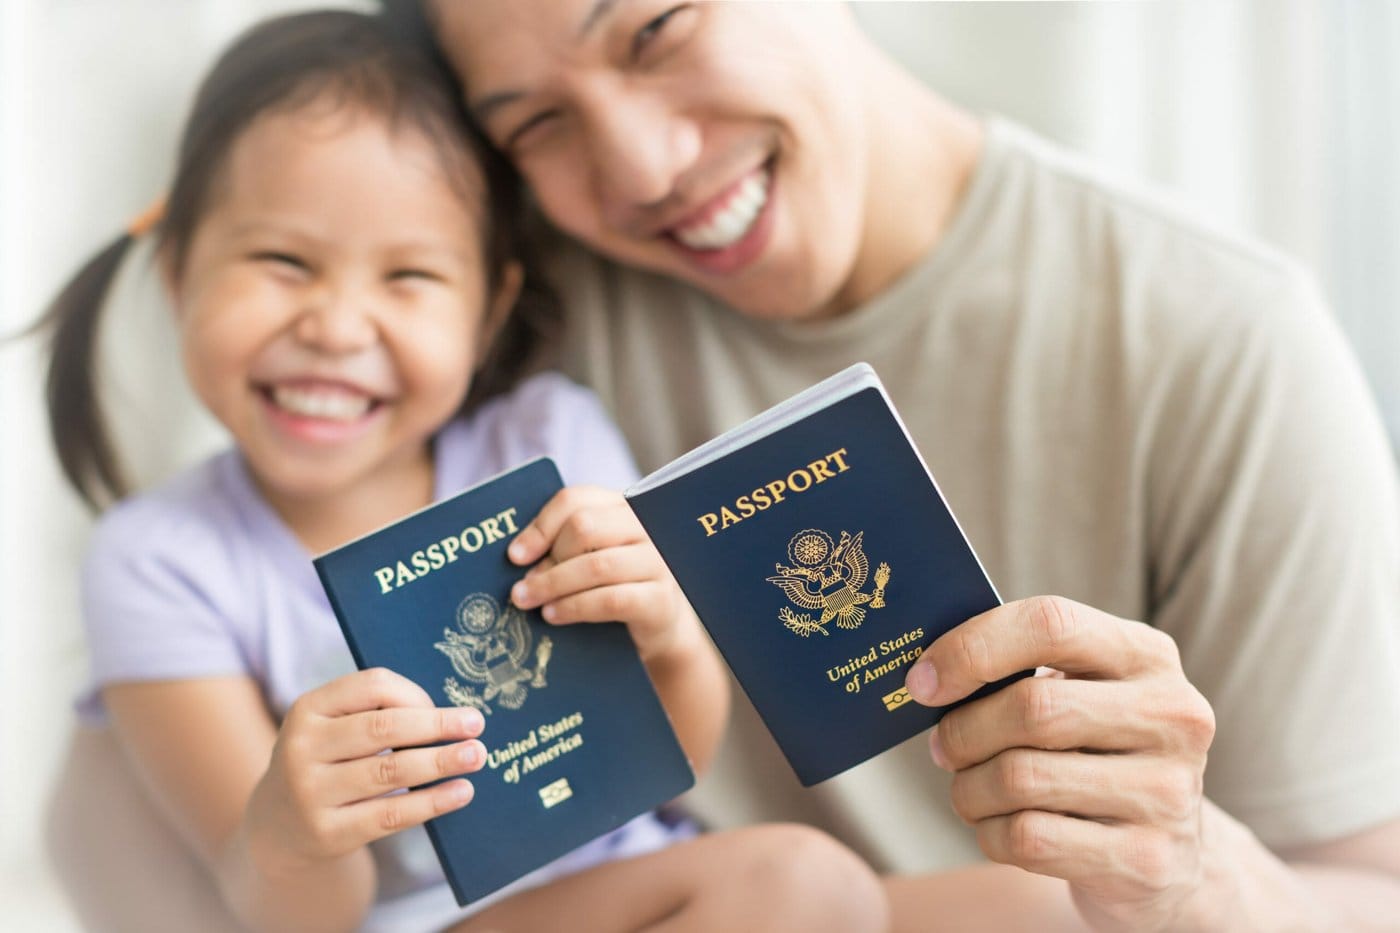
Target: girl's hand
593, 562
327, 788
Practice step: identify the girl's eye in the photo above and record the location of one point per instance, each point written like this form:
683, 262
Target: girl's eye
646, 36
420, 275
289, 260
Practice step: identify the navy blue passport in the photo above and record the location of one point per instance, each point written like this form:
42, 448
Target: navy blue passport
818, 552
577, 741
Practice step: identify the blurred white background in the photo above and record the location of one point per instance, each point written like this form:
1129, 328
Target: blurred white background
1279, 119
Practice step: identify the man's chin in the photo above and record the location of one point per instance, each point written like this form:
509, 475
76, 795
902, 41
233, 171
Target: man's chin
764, 304
753, 292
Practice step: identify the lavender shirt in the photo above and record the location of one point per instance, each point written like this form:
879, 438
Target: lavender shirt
201, 578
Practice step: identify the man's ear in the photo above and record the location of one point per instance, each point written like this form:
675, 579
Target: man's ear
499, 306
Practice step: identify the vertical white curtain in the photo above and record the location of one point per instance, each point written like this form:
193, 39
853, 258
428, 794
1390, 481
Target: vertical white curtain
1361, 259
1277, 118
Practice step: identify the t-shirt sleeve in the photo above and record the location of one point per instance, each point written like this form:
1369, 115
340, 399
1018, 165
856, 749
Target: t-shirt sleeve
1278, 573
155, 601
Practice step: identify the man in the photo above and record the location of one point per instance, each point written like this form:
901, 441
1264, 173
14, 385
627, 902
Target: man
1153, 421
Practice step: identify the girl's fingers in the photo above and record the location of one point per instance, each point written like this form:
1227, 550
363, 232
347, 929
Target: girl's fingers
354, 781
601, 526
537, 538
362, 734
364, 822
633, 563
376, 688
633, 603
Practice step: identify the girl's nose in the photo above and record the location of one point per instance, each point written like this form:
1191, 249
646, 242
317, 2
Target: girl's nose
337, 320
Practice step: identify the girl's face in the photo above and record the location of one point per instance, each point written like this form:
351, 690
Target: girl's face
332, 302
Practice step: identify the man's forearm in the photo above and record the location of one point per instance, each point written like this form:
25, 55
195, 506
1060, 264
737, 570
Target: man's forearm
1244, 886
1247, 887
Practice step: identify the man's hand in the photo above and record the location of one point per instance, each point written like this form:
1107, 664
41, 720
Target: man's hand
1093, 773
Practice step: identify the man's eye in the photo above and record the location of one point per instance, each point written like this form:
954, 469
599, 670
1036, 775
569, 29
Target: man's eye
530, 126
654, 27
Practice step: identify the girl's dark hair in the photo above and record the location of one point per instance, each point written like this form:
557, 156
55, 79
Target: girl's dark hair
354, 60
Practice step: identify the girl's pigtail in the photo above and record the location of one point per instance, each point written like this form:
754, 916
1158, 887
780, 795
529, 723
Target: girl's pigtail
76, 421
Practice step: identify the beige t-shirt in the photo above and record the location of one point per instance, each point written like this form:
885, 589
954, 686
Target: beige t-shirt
1121, 407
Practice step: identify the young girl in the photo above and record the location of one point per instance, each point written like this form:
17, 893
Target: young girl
342, 259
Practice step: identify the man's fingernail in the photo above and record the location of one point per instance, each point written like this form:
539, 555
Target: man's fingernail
935, 748
922, 681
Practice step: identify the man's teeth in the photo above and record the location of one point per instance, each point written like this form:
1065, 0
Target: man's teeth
731, 222
321, 403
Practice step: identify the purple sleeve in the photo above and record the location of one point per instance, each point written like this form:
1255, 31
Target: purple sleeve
155, 604
593, 451
559, 419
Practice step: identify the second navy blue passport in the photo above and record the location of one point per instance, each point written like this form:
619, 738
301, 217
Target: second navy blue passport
577, 741
820, 555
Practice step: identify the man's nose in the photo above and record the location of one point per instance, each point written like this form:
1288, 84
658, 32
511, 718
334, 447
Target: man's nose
337, 318
639, 147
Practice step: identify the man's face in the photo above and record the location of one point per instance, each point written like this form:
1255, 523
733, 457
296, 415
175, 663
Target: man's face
718, 143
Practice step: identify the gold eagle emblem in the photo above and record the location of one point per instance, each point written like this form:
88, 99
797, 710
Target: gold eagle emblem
829, 577
490, 647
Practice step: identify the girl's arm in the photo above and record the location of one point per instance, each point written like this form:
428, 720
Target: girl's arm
593, 562
282, 817
201, 746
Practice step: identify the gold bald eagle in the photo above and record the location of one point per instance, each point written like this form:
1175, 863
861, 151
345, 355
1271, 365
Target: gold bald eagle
491, 649
831, 578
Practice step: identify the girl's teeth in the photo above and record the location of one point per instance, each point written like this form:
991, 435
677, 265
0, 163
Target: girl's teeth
732, 221
320, 403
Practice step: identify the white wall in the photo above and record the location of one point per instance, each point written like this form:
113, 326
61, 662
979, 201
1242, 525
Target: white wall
1274, 117
93, 95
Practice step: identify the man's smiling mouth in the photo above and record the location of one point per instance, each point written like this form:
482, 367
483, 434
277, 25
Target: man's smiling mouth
727, 220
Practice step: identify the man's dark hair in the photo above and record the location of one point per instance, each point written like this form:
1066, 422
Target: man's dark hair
408, 19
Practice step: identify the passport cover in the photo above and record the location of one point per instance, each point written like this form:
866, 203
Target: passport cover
577, 741
822, 559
